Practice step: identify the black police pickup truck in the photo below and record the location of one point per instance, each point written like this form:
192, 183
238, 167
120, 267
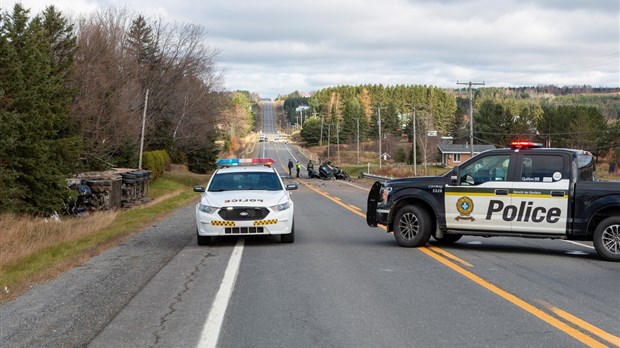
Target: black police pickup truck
525, 191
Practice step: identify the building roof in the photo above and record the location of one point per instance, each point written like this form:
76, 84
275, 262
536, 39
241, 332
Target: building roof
463, 148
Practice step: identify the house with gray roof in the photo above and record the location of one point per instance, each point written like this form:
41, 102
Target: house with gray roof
454, 154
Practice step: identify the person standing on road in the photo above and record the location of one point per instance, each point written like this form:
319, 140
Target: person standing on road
290, 167
297, 168
310, 168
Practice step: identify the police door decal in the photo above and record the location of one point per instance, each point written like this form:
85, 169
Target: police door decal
480, 182
539, 196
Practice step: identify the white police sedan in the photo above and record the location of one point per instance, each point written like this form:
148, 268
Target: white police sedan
245, 197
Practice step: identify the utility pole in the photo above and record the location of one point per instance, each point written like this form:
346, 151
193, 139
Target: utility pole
471, 112
358, 140
338, 140
414, 145
146, 102
329, 135
379, 123
321, 141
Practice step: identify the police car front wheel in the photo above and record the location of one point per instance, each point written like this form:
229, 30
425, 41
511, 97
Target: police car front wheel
290, 237
205, 240
412, 226
607, 239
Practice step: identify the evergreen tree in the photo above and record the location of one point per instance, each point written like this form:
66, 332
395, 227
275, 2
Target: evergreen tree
39, 147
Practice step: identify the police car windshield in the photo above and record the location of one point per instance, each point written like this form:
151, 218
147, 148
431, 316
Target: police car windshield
245, 181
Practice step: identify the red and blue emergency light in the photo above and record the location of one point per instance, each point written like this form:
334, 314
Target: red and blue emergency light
231, 162
524, 145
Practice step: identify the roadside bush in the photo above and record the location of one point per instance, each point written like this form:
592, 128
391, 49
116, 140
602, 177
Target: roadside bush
156, 161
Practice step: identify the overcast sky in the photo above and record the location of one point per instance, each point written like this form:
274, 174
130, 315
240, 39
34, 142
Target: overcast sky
275, 47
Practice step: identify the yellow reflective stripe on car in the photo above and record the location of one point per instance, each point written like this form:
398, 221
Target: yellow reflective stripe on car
265, 222
223, 223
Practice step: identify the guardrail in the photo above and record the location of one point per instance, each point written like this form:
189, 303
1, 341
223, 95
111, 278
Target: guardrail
368, 175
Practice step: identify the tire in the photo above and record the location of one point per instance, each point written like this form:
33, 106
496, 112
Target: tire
607, 239
448, 239
412, 226
290, 237
205, 240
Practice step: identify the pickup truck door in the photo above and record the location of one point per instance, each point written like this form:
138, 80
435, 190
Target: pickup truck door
481, 184
540, 194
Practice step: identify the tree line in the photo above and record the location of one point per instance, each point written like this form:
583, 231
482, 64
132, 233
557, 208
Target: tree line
73, 93
501, 115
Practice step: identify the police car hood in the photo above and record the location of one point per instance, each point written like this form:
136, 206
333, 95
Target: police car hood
244, 198
419, 181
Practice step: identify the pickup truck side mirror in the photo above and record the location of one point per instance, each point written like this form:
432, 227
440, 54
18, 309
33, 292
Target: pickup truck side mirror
454, 176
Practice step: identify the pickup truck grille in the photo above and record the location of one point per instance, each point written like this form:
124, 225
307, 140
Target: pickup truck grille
243, 213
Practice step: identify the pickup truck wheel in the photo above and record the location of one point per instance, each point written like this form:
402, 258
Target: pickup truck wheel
607, 239
412, 227
448, 238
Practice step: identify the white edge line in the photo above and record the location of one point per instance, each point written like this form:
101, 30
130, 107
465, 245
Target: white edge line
213, 325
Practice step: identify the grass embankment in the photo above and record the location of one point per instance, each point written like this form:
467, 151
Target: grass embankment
33, 249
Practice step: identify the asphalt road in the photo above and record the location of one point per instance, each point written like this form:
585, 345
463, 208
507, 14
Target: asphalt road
341, 284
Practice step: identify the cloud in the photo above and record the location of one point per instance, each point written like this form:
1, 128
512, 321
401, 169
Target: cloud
275, 47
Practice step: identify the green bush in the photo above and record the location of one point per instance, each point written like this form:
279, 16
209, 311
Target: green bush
156, 161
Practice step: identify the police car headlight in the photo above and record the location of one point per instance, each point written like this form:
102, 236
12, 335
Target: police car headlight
282, 206
207, 209
385, 192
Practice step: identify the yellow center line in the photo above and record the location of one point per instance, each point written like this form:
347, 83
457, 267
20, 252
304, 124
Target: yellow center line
434, 253
615, 340
449, 255
354, 207
576, 334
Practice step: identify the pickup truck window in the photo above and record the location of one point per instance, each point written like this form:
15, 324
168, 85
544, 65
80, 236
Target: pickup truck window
488, 168
543, 168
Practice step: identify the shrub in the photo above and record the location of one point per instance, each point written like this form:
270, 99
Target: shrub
156, 161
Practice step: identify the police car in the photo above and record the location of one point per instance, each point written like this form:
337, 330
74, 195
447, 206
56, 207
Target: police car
524, 191
245, 197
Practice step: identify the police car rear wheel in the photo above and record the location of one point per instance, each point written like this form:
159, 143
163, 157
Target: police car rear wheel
607, 239
412, 227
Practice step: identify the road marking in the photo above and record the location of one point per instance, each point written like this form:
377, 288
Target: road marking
449, 255
213, 325
576, 334
577, 243
615, 340
567, 329
354, 207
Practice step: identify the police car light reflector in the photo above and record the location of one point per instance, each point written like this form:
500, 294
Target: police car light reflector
230, 162
524, 144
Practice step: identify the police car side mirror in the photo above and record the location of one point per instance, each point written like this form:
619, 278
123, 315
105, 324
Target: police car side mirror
292, 186
199, 189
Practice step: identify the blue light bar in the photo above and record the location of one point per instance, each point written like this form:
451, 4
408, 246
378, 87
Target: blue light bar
231, 162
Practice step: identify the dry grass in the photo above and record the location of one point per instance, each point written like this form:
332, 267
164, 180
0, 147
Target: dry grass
21, 237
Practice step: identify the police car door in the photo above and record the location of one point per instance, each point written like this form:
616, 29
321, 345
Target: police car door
540, 193
481, 184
